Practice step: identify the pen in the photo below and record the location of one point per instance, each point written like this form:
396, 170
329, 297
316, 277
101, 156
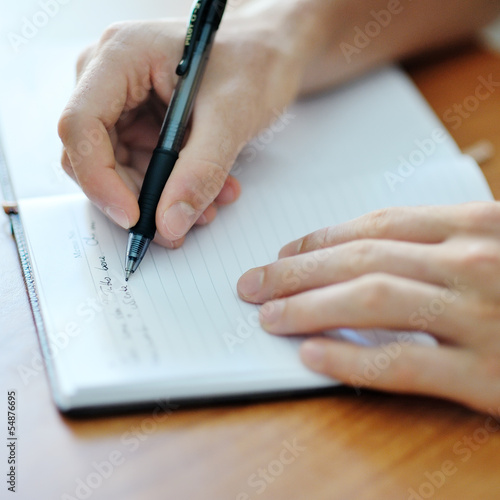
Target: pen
204, 22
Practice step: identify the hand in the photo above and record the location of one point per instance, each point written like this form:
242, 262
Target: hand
111, 124
433, 269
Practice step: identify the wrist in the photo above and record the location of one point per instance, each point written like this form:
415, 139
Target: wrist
302, 29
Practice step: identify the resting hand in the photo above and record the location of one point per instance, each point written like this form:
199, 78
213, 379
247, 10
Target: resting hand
433, 269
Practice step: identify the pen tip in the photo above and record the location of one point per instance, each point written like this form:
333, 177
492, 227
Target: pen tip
127, 275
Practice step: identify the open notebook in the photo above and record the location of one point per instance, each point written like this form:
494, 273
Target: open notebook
177, 330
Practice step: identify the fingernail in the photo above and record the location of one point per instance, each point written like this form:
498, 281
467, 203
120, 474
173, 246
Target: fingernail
251, 283
202, 220
179, 218
226, 195
291, 249
271, 312
313, 355
118, 215
170, 244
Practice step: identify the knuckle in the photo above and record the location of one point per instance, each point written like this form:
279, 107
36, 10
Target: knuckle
83, 58
481, 214
377, 222
206, 179
66, 165
65, 123
317, 240
406, 373
325, 237
116, 31
486, 312
374, 291
480, 257
359, 253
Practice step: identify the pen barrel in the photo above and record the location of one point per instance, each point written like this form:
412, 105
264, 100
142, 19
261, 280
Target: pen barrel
160, 167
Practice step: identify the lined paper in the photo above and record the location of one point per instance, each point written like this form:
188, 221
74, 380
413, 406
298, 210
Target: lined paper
179, 317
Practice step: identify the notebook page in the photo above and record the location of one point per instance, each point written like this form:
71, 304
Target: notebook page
177, 318
178, 324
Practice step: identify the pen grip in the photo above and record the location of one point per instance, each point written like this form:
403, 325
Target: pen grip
159, 169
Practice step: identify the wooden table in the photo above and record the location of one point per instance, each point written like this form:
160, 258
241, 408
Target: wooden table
373, 446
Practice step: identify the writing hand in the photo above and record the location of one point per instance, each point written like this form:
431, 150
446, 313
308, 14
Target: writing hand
431, 269
112, 121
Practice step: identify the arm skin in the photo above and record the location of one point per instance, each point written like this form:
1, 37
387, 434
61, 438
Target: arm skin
413, 28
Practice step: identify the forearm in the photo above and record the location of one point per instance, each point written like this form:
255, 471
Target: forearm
337, 40
374, 32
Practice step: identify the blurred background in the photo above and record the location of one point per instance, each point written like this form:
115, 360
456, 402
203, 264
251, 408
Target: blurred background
82, 20
492, 35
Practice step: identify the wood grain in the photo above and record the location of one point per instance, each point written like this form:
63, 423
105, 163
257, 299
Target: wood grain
349, 447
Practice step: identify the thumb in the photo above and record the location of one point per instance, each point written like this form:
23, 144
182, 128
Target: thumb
199, 174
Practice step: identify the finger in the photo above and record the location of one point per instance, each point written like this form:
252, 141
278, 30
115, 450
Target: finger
130, 177
123, 155
426, 263
418, 224
138, 154
207, 216
200, 172
444, 372
105, 89
374, 301
83, 59
230, 192
172, 245
141, 134
139, 160
66, 165
90, 152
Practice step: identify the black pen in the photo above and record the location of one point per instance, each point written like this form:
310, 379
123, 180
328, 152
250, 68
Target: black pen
205, 20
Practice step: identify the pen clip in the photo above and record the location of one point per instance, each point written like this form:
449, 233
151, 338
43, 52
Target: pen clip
203, 12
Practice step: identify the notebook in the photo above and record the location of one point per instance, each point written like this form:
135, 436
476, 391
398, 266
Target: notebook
177, 330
